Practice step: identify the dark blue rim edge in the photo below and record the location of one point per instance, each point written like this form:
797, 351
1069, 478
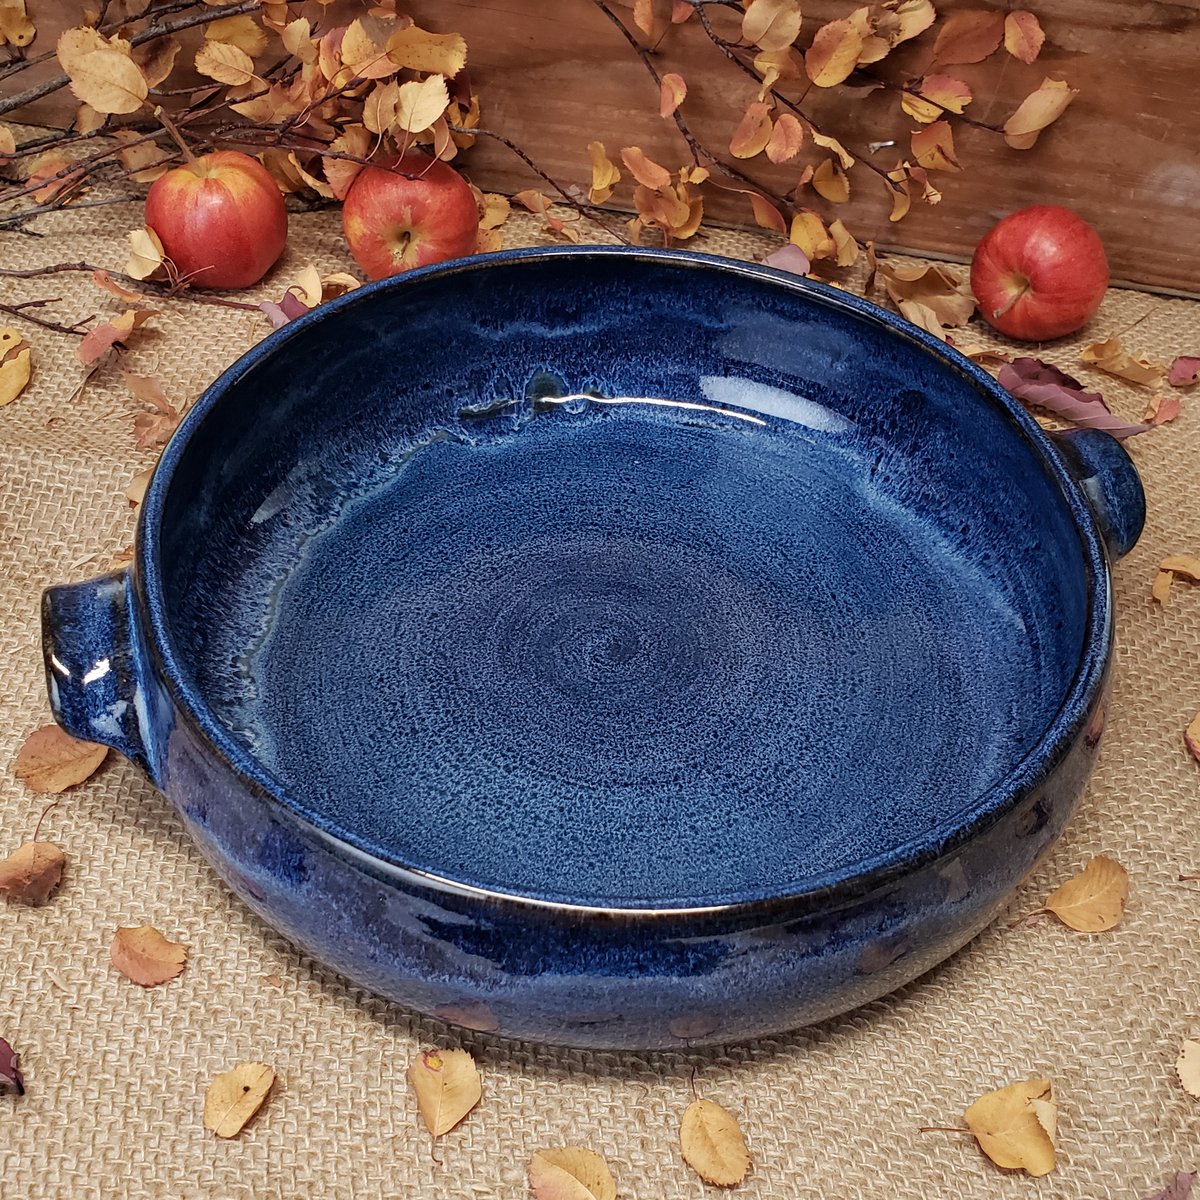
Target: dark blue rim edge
823, 891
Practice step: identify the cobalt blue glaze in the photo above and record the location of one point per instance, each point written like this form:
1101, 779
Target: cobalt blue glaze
611, 647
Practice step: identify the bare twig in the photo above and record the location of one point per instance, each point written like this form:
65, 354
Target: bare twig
20, 312
29, 213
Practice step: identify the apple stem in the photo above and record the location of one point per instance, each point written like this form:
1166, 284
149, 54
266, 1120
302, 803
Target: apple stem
173, 130
1021, 291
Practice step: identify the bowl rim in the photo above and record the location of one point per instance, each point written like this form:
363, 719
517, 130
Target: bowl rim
826, 890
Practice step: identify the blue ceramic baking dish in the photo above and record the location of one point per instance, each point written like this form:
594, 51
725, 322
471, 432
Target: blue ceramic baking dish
611, 647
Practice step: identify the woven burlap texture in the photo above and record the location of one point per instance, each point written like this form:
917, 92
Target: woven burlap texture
116, 1074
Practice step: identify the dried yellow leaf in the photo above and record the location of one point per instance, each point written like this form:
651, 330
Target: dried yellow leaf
906, 20
753, 131
15, 26
933, 147
235, 1096
809, 233
605, 175
1187, 565
1187, 1067
901, 197
420, 103
1093, 900
241, 31
571, 1173
787, 139
934, 286
225, 63
1011, 1131
50, 760
834, 52
1160, 589
145, 956
74, 44
434, 53
713, 1145
447, 1087
14, 375
645, 170
1023, 36
146, 253
829, 181
847, 247
364, 49
831, 143
771, 24
1036, 111
1111, 356
1191, 737
296, 37
109, 81
494, 210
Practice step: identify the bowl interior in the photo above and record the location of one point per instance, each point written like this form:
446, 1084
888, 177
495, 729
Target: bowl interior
619, 580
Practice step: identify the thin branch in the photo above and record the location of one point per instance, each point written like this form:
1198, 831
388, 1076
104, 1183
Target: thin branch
16, 218
19, 311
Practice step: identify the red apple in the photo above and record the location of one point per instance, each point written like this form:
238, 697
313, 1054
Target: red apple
395, 222
221, 220
1040, 273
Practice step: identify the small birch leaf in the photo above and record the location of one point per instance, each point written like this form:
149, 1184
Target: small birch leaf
433, 53
1010, 1131
225, 63
1187, 1067
447, 1087
109, 81
419, 104
572, 1173
787, 139
145, 956
1023, 36
1093, 900
713, 1145
645, 170
753, 131
12, 1082
834, 52
52, 761
968, 36
31, 872
1112, 357
672, 92
146, 254
605, 175
771, 24
1039, 109
235, 1096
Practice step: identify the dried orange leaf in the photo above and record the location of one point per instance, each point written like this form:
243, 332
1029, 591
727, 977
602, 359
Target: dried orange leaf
147, 389
364, 50
672, 90
434, 53
1036, 111
447, 1087
834, 52
50, 760
901, 197
933, 147
15, 372
766, 215
713, 1145
945, 92
145, 956
571, 1173
31, 872
1187, 1067
934, 286
235, 1096
847, 247
1191, 737
831, 143
829, 181
1023, 36
1112, 357
146, 254
225, 63
605, 175
753, 131
787, 139
109, 81
1187, 565
771, 24
1160, 589
645, 170
1162, 409
241, 31
969, 36
99, 341
1011, 1131
419, 104
1093, 900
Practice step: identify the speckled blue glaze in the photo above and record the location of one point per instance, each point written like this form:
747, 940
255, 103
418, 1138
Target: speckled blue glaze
611, 648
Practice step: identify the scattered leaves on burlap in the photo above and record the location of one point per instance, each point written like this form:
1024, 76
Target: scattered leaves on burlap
447, 1086
1015, 1125
51, 760
1191, 737
1111, 356
713, 1145
12, 1082
97, 342
1023, 35
1046, 386
1039, 109
145, 956
16, 364
1184, 371
31, 872
1180, 1188
571, 1173
1187, 1067
235, 1096
1094, 900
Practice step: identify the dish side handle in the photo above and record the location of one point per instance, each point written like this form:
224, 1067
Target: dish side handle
1109, 481
95, 665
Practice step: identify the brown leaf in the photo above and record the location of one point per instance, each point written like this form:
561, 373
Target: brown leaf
672, 91
771, 24
225, 63
571, 1173
1187, 1067
50, 760
16, 364
235, 1096
787, 139
419, 104
88, 120
1039, 109
753, 131
145, 956
933, 147
713, 1145
968, 36
830, 182
105, 282
156, 59
31, 872
831, 143
834, 52
605, 175
1187, 565
99, 341
146, 254
447, 1087
1011, 1131
433, 53
934, 286
645, 170
1112, 357
1023, 36
15, 26
766, 215
144, 162
241, 31
1162, 409
1094, 900
341, 173
109, 81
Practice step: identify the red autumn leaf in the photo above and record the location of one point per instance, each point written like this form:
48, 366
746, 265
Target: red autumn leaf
100, 340
288, 309
1184, 371
1162, 409
1041, 384
12, 1082
969, 36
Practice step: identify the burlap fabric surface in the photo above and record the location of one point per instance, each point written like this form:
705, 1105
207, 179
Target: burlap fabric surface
116, 1074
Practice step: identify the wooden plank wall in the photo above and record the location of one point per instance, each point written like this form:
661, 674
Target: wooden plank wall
555, 74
